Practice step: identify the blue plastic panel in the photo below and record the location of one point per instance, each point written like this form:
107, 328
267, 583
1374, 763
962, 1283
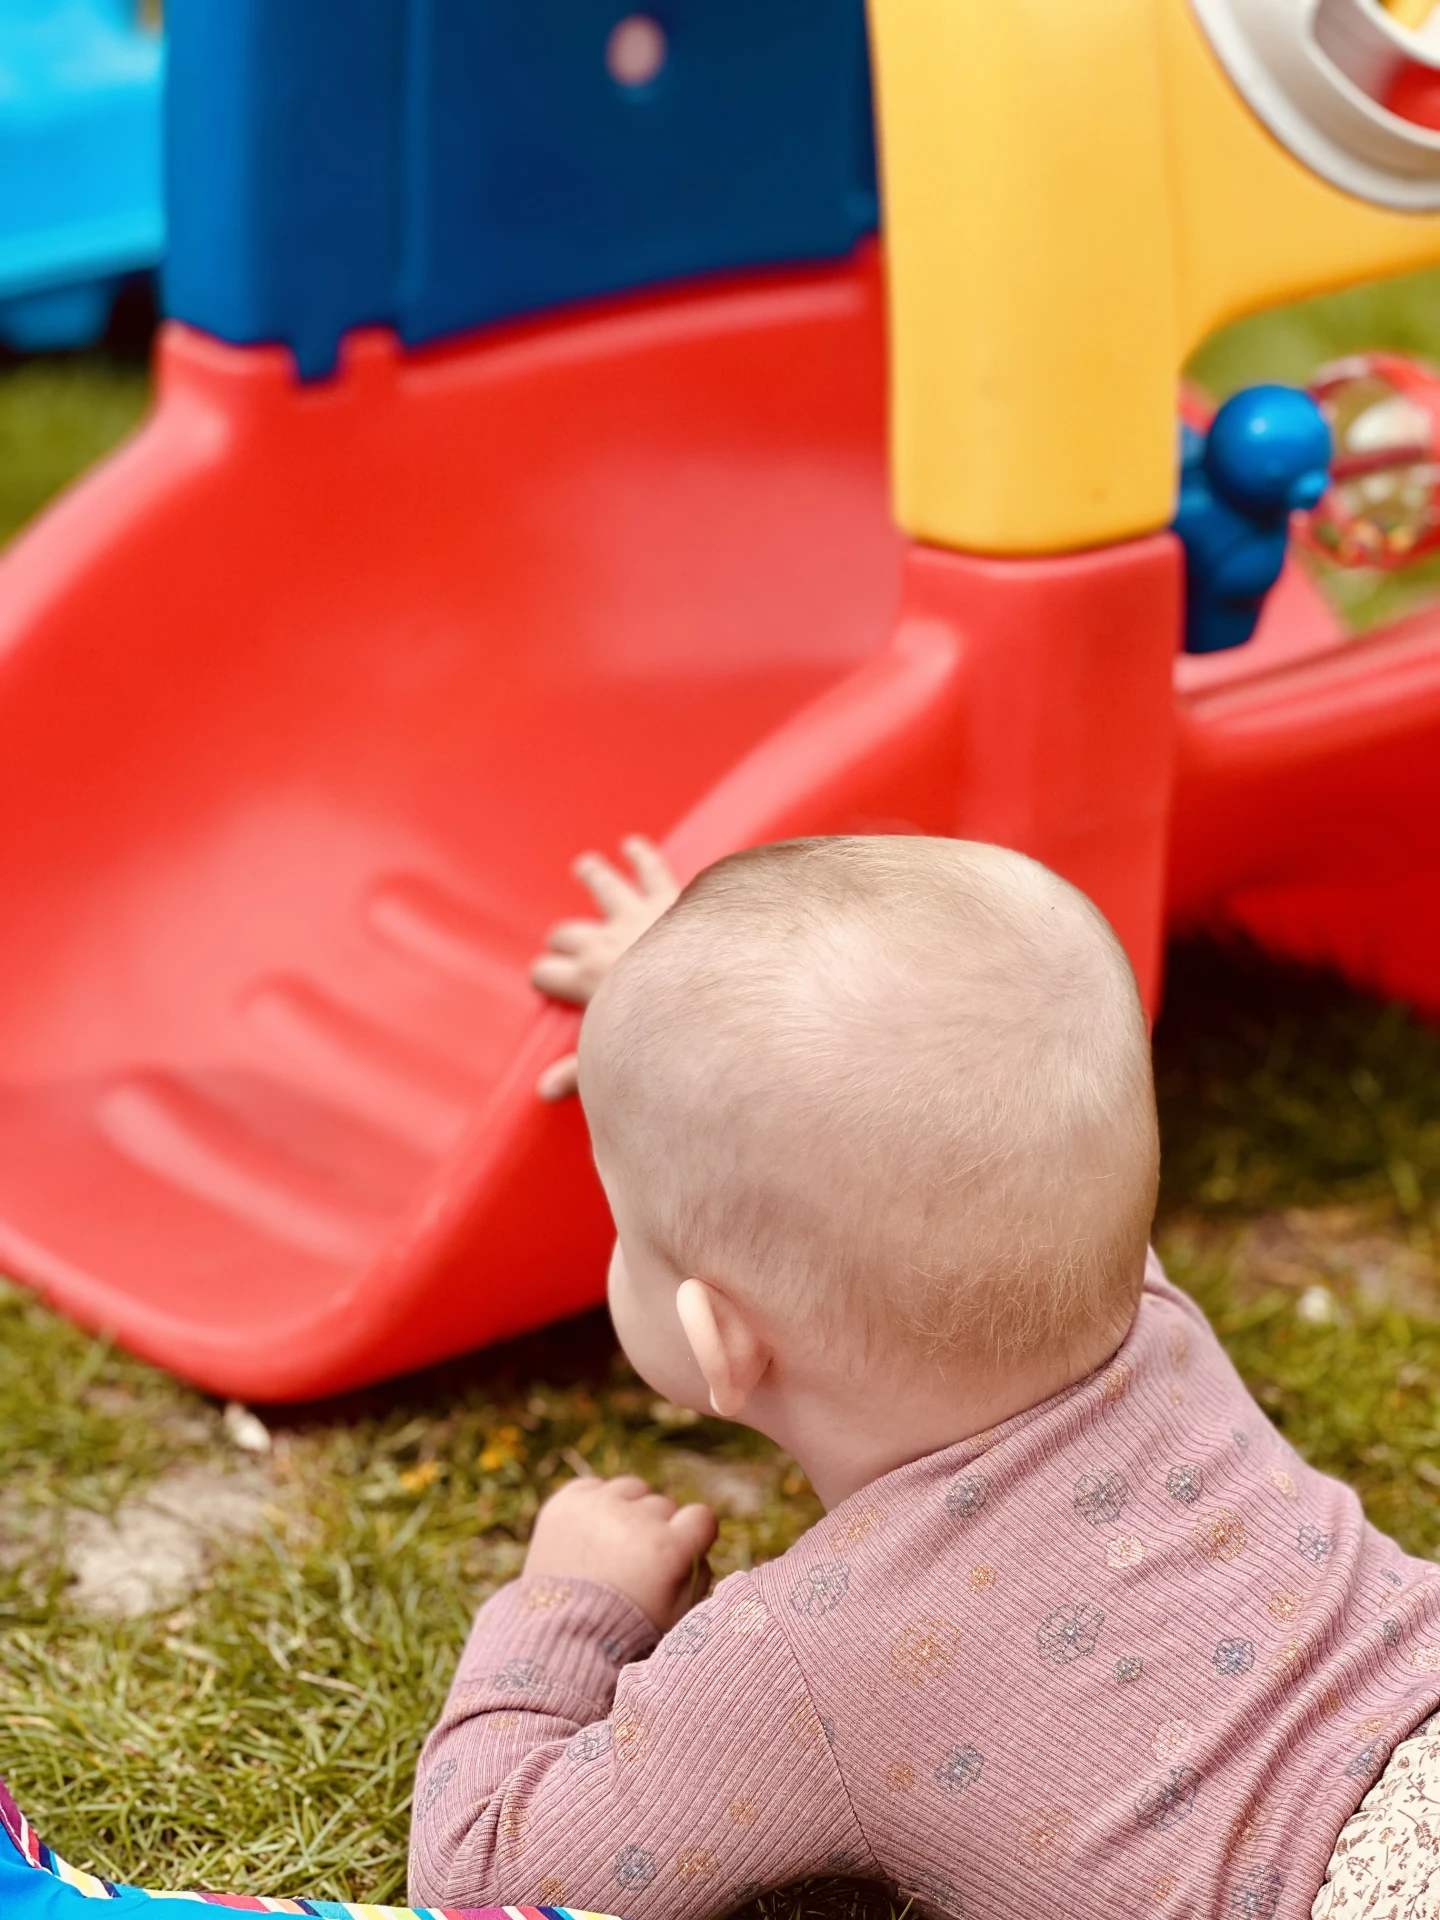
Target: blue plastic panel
80, 189
436, 164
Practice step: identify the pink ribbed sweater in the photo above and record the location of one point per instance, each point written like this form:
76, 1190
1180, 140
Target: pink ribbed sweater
1126, 1654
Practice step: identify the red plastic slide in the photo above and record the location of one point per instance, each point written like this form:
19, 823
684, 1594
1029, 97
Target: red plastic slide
310, 695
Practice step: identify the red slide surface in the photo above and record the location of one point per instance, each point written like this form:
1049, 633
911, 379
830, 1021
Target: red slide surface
309, 697
311, 694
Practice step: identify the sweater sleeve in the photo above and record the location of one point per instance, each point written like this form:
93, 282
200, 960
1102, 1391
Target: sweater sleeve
568, 1771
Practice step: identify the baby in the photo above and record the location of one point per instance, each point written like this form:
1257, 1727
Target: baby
1079, 1633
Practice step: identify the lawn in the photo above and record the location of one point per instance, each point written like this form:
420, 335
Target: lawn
221, 1642
56, 417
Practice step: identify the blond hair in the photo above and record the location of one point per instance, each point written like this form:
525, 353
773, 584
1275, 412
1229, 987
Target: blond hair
899, 1086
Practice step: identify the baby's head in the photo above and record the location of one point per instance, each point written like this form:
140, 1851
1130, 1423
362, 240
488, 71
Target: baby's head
891, 1100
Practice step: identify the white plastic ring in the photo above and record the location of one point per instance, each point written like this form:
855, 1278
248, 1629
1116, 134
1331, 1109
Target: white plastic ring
1317, 73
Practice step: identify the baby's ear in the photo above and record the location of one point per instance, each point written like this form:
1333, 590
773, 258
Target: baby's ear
726, 1344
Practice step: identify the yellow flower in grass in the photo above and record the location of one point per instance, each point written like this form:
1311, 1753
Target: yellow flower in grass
505, 1445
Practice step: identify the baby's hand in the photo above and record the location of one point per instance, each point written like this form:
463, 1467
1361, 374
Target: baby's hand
582, 952
621, 1532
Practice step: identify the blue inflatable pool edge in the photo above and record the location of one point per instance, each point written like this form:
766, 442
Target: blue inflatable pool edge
81, 197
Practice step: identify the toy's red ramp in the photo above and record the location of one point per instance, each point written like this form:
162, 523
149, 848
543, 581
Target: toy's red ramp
305, 702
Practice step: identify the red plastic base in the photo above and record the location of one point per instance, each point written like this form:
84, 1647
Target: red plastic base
310, 695
1306, 796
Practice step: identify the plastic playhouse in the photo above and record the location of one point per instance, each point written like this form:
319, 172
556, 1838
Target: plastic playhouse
544, 450
80, 185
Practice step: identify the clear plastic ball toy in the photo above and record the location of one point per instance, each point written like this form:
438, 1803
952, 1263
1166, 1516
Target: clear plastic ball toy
1382, 509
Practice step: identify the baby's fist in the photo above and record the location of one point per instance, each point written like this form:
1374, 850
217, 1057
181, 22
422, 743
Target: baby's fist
622, 1533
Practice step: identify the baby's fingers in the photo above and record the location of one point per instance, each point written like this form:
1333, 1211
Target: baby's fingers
562, 1079
612, 892
629, 1487
694, 1529
560, 978
571, 936
652, 869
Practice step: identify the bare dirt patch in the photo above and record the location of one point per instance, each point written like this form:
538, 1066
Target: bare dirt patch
157, 1547
1354, 1251
736, 1489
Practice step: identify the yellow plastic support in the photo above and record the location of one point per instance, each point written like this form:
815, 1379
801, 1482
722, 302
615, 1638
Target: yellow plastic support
1075, 196
1411, 13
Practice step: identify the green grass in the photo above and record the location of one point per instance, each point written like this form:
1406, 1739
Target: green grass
57, 416
260, 1731
1401, 315
1301, 1128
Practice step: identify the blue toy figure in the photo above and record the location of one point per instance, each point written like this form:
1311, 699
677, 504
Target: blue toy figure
1266, 456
